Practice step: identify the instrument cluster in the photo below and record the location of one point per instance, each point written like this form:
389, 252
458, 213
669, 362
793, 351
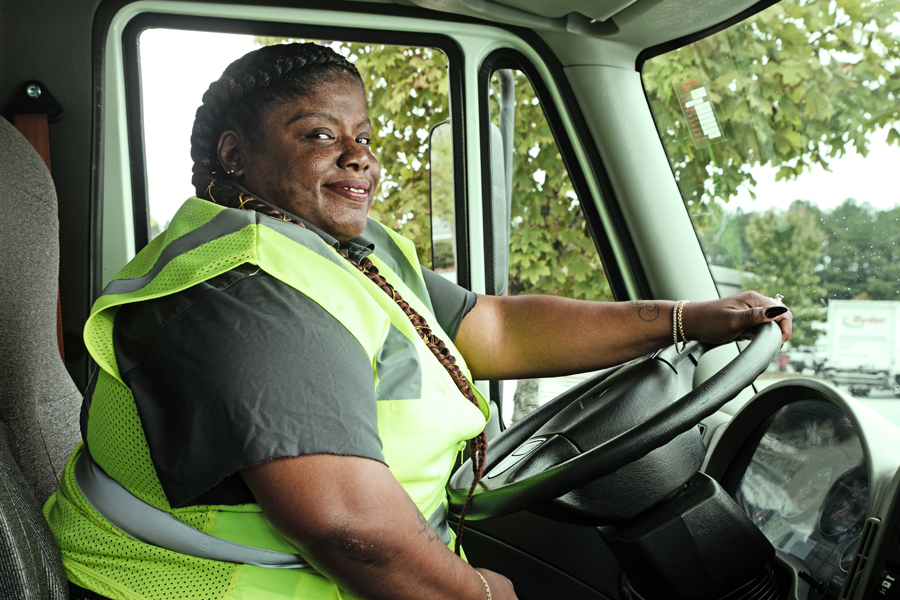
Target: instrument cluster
806, 488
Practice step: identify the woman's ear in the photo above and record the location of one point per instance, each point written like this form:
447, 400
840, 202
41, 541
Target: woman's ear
229, 153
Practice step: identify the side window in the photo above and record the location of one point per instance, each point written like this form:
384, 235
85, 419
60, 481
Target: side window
542, 244
176, 68
408, 95
442, 209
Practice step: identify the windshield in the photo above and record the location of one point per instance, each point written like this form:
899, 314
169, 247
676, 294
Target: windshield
782, 132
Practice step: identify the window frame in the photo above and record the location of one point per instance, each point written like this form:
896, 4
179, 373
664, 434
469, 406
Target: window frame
508, 58
654, 51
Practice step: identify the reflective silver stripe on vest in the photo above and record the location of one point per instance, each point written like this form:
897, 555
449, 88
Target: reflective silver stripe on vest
150, 525
225, 223
147, 524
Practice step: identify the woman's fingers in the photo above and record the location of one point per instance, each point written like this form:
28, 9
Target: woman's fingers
778, 312
782, 315
722, 320
775, 311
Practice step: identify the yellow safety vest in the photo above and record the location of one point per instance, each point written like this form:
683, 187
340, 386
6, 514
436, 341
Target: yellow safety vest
421, 436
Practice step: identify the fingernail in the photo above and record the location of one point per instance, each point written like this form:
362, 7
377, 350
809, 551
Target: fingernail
775, 311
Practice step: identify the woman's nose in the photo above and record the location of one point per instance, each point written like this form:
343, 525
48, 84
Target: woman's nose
354, 155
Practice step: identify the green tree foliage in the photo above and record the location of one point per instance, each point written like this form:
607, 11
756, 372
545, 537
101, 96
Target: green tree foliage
785, 248
797, 85
811, 256
723, 240
551, 251
800, 84
862, 257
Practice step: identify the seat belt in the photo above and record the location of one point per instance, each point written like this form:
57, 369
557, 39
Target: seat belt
35, 128
33, 109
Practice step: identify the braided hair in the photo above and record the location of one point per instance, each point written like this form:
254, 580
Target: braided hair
239, 100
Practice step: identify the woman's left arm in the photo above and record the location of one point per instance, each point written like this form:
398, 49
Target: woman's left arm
543, 336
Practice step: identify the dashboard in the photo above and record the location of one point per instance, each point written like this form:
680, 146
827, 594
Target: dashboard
817, 472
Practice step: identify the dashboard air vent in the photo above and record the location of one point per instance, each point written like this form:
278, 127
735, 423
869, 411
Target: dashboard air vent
858, 565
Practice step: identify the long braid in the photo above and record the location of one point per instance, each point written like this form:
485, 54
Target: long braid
237, 100
478, 444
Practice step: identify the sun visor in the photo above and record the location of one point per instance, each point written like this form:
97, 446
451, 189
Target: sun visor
592, 9
588, 17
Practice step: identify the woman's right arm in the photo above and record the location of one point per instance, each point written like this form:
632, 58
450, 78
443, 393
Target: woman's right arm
353, 522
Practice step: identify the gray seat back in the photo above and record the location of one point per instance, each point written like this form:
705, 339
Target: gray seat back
30, 563
39, 403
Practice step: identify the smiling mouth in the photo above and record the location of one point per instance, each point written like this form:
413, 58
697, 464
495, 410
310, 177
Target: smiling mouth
357, 191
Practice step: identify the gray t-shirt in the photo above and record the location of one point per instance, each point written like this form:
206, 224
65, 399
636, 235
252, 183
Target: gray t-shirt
243, 368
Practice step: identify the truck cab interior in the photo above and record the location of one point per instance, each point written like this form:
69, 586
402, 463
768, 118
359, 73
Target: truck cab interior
595, 149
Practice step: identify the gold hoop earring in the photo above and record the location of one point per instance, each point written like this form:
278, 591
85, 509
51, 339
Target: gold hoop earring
209, 192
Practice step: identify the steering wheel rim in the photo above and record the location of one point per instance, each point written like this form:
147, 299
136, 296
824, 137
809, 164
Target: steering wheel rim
495, 495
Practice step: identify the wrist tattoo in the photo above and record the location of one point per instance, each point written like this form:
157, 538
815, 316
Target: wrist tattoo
426, 528
647, 311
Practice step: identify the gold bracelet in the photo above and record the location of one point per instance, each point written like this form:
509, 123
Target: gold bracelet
681, 321
678, 325
487, 588
675, 324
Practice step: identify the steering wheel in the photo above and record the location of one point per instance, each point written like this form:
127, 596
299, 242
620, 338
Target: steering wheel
615, 444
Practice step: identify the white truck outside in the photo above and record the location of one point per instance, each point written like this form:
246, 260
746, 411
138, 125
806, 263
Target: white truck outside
864, 345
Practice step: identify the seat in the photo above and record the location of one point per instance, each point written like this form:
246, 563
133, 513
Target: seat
39, 403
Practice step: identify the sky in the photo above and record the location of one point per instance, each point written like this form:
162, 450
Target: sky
176, 69
874, 178
178, 66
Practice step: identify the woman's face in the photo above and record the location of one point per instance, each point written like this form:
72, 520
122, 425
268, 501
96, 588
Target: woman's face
313, 158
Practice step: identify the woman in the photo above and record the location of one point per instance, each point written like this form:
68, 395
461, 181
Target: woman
278, 372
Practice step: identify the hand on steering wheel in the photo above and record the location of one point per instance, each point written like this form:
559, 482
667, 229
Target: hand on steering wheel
722, 320
610, 421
